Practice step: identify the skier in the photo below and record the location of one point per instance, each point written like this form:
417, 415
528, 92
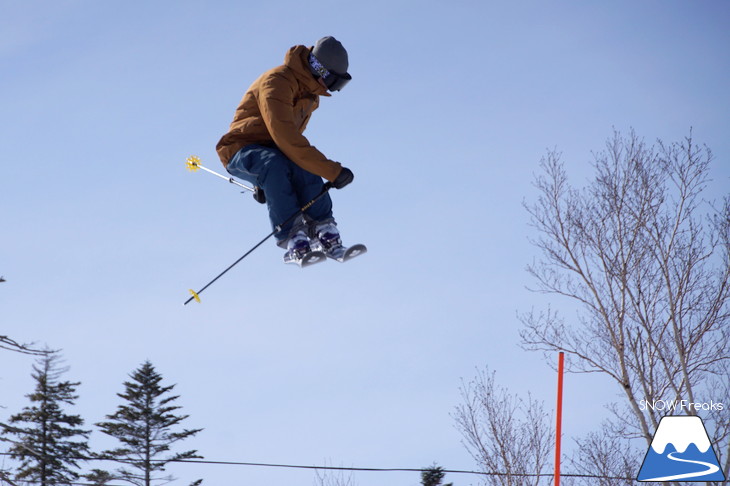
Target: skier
265, 145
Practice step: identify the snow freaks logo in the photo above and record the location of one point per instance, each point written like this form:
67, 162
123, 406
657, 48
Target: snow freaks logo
680, 450
673, 406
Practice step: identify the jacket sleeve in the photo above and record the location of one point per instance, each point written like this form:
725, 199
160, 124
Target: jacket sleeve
276, 103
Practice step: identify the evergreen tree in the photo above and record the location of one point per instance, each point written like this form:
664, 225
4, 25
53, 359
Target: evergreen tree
433, 476
144, 425
43, 433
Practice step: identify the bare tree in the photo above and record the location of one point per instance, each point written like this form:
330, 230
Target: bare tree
646, 261
11, 345
510, 438
604, 458
333, 476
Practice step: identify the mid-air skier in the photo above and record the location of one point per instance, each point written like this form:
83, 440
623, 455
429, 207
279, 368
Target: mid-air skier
265, 146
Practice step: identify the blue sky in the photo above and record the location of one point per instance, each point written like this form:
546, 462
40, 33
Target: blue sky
450, 109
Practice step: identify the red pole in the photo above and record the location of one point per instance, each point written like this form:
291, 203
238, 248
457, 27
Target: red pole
558, 424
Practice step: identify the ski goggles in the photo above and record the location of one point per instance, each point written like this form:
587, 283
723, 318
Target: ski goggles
334, 81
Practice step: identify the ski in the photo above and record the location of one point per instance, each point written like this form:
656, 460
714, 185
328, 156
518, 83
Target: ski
346, 253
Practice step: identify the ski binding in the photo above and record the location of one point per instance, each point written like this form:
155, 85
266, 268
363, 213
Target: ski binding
307, 259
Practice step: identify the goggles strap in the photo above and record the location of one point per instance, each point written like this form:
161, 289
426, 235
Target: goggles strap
318, 67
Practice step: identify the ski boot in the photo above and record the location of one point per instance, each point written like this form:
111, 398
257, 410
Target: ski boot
299, 251
327, 239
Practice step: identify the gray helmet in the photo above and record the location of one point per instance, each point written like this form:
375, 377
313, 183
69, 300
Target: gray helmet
331, 54
328, 60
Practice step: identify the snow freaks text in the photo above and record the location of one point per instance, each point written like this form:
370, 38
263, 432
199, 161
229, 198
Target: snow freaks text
680, 406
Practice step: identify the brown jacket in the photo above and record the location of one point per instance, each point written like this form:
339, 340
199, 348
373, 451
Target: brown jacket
275, 111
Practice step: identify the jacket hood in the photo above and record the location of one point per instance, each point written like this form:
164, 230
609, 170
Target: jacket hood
297, 59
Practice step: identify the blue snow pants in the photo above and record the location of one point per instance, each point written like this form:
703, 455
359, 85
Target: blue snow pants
287, 188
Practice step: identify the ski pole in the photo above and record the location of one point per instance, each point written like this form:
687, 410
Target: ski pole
196, 295
193, 164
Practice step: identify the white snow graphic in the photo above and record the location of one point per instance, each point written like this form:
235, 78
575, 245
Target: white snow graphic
711, 468
680, 431
680, 450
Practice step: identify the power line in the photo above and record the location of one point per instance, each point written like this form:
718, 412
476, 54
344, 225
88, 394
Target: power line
396, 469
65, 483
354, 469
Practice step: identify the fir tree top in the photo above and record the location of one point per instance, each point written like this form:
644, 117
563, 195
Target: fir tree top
44, 432
147, 427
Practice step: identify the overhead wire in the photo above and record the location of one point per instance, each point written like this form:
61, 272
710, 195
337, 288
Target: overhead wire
345, 468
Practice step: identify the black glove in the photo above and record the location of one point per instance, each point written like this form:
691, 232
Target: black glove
258, 195
346, 176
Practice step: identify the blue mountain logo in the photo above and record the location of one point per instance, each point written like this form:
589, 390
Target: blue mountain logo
681, 450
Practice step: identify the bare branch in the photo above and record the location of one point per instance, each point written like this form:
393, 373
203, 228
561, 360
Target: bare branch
12, 345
